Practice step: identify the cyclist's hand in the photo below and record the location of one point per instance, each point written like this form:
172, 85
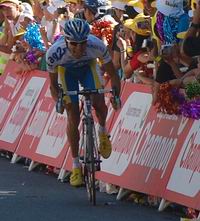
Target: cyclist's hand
59, 107
59, 103
116, 102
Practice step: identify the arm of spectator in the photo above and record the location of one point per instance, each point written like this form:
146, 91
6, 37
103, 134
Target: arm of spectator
55, 30
44, 37
7, 41
176, 70
190, 75
37, 11
126, 67
116, 60
192, 31
173, 59
6, 49
174, 66
114, 77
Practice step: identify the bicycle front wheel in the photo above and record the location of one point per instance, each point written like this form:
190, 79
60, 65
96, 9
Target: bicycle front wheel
89, 168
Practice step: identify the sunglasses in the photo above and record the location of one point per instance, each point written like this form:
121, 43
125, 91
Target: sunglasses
73, 43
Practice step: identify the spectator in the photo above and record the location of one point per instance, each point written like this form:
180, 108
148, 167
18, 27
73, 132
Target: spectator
14, 11
191, 45
119, 10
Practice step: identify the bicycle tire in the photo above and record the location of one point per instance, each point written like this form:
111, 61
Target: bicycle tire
89, 169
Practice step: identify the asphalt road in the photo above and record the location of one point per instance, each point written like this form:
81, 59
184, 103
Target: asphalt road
35, 196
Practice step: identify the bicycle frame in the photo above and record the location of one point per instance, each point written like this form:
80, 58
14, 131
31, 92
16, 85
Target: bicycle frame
91, 159
90, 151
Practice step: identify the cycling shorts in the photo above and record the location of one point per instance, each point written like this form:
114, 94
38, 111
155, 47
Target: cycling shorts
88, 76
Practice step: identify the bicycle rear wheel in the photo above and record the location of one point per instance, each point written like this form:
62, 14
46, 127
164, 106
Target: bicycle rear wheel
89, 167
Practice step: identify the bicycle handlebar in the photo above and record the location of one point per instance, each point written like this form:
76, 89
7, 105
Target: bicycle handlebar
115, 100
89, 92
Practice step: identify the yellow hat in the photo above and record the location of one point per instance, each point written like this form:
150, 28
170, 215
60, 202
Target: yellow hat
20, 32
136, 3
133, 24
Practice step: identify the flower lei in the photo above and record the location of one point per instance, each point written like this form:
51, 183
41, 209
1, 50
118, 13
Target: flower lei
172, 101
102, 29
165, 102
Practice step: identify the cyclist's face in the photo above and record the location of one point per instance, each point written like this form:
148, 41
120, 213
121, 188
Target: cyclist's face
77, 49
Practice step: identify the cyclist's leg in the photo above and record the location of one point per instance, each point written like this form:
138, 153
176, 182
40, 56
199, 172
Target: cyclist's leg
92, 79
76, 178
73, 118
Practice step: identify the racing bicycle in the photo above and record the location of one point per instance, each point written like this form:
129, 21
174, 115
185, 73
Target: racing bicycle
89, 153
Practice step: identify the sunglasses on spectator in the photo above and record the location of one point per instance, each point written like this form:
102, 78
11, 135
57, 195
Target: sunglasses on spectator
74, 43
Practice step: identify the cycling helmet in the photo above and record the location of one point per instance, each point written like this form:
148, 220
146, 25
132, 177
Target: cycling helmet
76, 30
93, 5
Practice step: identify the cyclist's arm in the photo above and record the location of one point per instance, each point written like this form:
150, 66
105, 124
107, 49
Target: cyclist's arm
115, 80
53, 74
54, 57
54, 85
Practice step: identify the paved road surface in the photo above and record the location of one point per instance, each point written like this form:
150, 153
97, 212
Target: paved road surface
40, 197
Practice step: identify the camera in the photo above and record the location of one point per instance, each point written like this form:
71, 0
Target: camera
103, 10
61, 11
122, 32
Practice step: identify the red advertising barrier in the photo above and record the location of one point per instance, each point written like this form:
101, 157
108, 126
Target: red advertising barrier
22, 109
44, 139
153, 153
10, 91
183, 186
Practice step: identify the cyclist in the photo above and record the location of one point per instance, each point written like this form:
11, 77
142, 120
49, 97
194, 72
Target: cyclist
73, 58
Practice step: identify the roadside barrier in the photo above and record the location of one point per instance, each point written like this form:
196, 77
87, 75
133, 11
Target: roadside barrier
153, 153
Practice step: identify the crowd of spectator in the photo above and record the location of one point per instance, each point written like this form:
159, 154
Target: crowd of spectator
150, 41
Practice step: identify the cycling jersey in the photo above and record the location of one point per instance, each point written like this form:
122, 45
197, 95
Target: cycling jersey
72, 71
59, 54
